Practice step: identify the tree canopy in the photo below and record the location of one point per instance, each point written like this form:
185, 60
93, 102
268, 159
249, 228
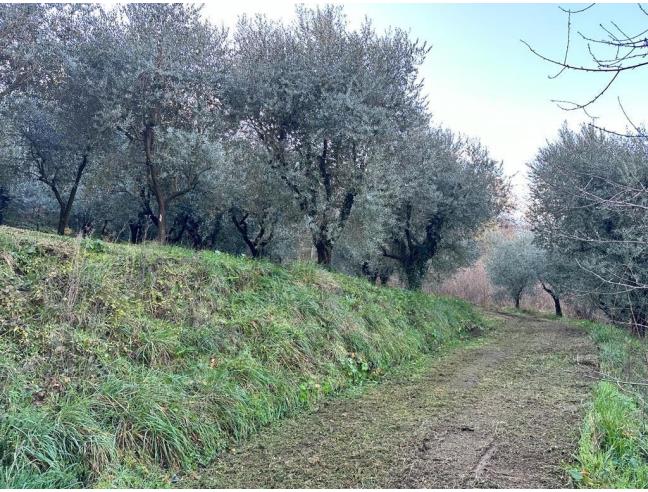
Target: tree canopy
588, 203
146, 121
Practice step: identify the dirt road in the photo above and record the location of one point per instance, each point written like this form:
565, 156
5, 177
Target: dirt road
504, 411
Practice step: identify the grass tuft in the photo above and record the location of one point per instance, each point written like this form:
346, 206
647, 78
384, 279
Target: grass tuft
613, 448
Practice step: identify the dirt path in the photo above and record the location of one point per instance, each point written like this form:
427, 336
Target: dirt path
502, 412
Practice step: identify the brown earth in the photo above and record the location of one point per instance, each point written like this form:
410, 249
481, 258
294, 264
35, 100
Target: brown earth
504, 411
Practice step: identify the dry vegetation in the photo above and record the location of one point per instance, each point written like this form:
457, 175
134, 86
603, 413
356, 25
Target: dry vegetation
473, 285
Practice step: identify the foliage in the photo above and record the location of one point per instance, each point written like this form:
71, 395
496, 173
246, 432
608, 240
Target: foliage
167, 93
126, 364
588, 205
438, 192
147, 121
514, 265
26, 51
322, 98
62, 130
255, 199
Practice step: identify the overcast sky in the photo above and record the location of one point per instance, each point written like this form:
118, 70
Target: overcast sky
479, 77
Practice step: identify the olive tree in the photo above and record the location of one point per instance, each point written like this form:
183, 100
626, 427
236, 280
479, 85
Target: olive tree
588, 203
514, 264
254, 197
598, 174
556, 273
168, 98
322, 98
62, 130
438, 192
358, 251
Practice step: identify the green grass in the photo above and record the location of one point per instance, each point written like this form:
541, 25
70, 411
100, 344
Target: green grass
613, 448
123, 365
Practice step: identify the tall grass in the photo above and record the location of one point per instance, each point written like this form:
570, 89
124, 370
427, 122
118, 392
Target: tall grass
613, 449
126, 365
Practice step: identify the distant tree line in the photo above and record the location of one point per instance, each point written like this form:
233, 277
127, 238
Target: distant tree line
146, 121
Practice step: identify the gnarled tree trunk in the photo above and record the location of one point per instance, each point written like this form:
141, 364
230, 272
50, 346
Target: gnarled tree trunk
324, 250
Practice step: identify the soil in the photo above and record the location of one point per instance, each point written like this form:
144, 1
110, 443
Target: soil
502, 411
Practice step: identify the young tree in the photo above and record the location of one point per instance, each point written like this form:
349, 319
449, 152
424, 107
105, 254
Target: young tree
514, 264
438, 192
322, 98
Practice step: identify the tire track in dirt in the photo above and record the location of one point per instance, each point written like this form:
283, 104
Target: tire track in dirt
502, 412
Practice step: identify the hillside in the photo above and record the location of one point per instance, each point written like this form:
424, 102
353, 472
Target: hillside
126, 365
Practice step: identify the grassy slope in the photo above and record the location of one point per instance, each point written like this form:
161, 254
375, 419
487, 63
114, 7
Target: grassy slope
122, 365
613, 450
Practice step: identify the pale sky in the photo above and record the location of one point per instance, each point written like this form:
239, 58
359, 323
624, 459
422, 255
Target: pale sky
482, 81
